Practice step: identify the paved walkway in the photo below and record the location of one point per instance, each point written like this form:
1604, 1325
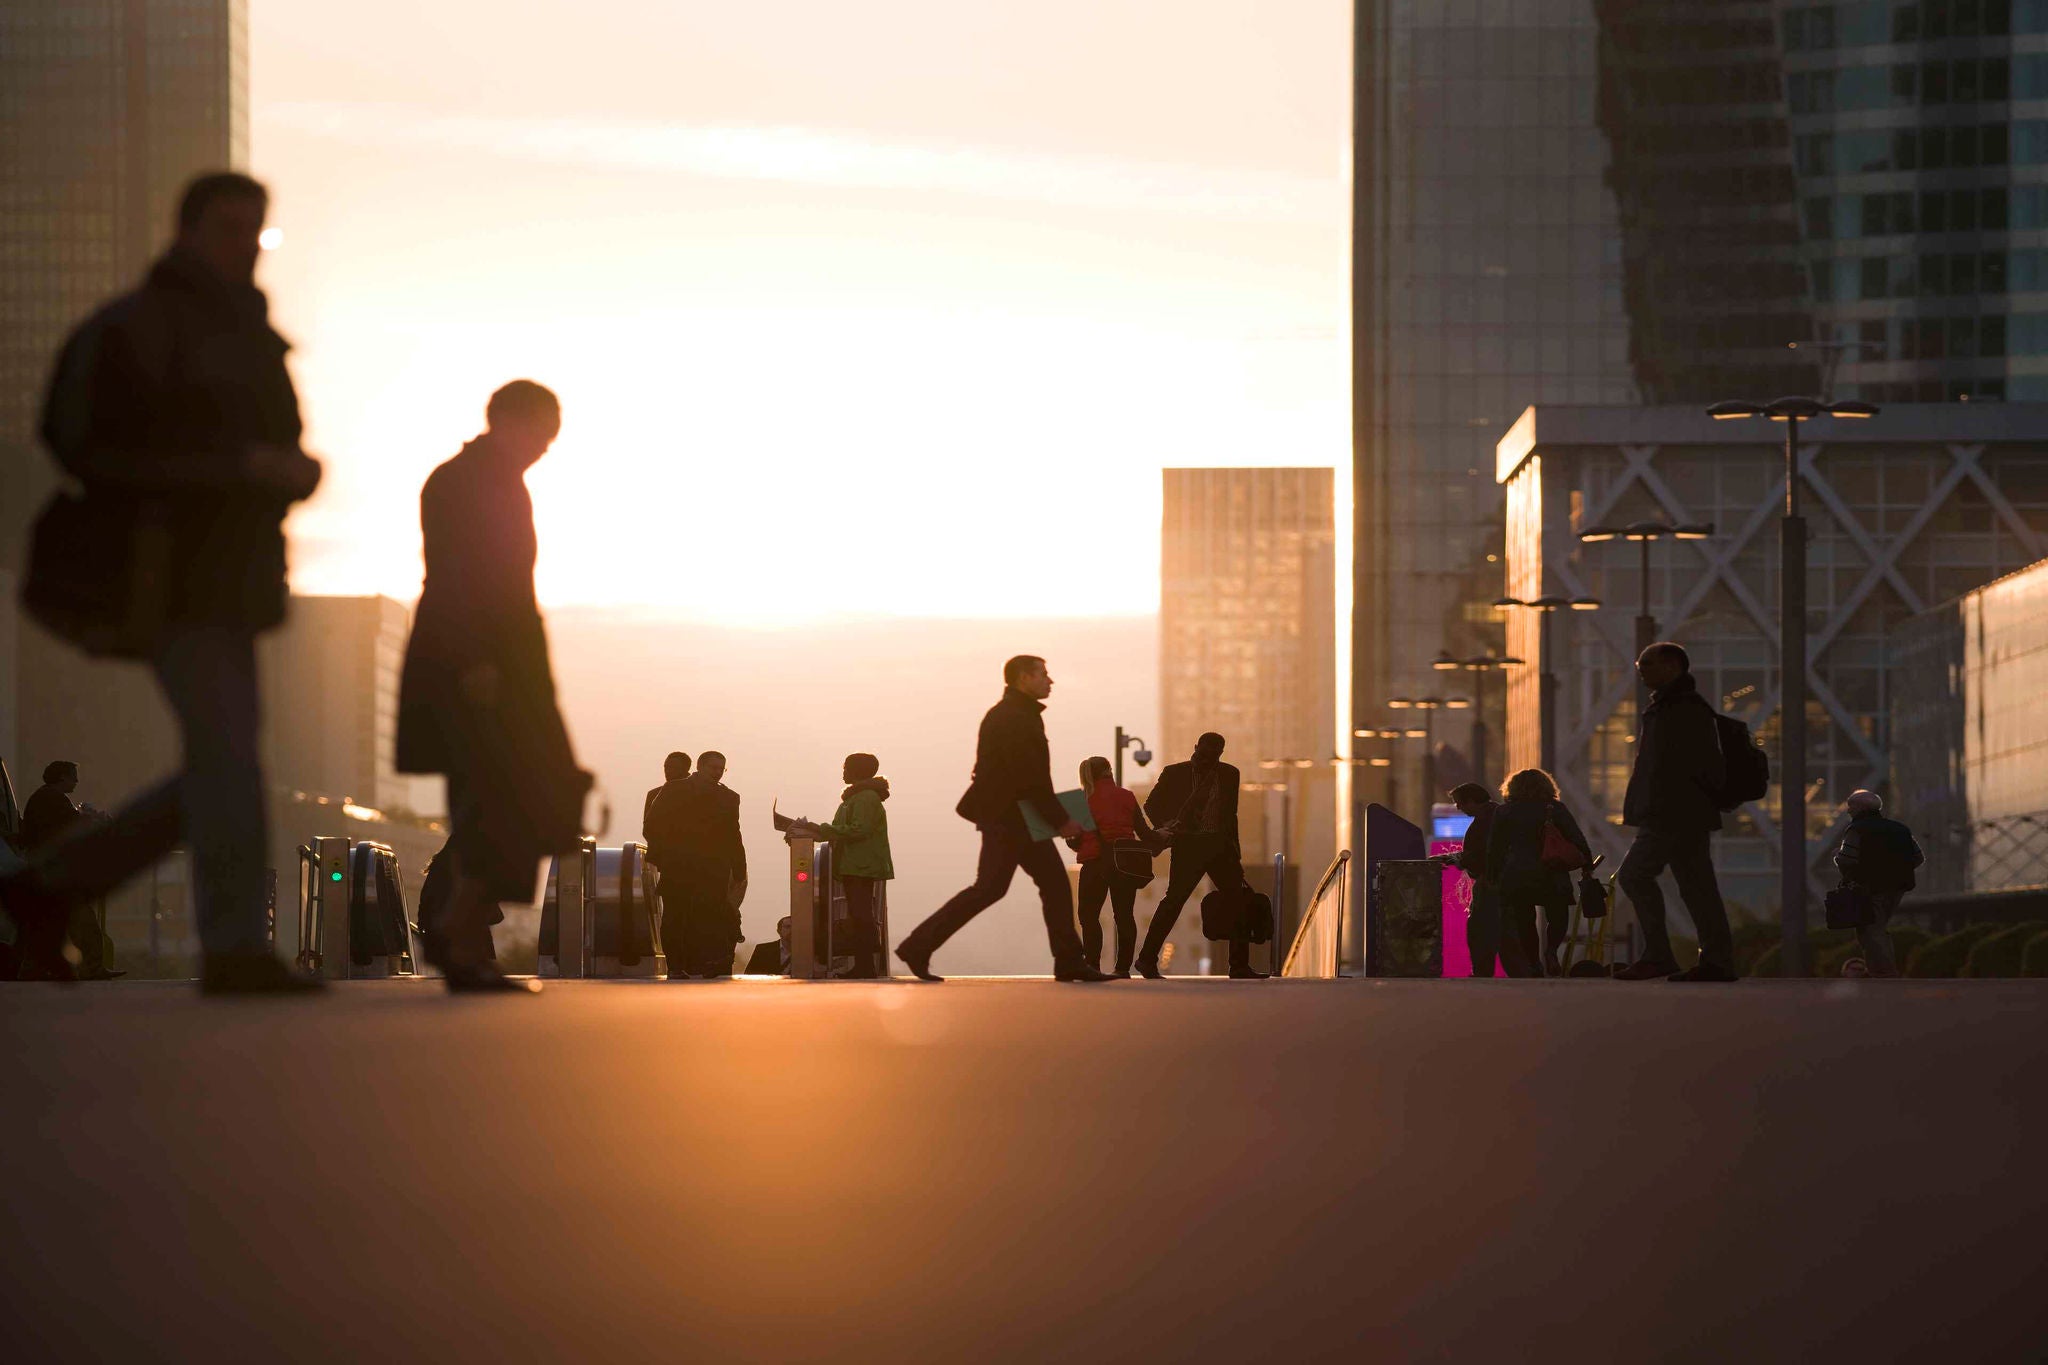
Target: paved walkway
1015, 1170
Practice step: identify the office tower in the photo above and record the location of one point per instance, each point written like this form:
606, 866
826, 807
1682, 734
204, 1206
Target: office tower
330, 674
107, 107
1247, 645
1487, 276
1665, 201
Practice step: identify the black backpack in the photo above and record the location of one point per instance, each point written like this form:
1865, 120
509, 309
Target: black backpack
1747, 767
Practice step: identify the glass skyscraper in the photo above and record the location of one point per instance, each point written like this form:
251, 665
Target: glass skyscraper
1665, 201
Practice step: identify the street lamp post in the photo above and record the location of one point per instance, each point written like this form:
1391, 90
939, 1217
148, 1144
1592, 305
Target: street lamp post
1546, 705
1385, 760
1643, 533
1479, 665
1792, 663
1428, 706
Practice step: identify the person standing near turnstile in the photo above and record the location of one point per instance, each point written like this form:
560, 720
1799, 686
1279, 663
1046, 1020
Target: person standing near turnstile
859, 833
674, 769
476, 699
693, 836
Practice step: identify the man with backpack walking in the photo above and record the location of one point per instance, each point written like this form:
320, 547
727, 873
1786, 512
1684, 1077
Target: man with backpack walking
1879, 856
1676, 793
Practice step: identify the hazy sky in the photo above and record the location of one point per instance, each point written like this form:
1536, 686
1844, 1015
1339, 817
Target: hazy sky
895, 308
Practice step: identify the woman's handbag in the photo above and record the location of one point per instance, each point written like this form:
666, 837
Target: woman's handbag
1559, 853
1129, 863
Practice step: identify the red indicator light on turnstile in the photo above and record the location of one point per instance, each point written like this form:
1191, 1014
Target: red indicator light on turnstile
803, 876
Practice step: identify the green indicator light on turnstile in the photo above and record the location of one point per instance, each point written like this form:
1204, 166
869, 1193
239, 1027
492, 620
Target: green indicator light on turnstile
334, 876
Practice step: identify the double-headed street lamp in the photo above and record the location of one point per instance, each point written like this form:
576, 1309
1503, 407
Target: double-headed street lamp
1643, 533
1428, 706
1546, 713
1479, 665
1386, 760
1792, 661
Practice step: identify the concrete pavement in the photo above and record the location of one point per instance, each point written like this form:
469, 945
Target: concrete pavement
1017, 1170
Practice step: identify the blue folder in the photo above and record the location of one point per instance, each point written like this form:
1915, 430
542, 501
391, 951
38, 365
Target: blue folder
1076, 802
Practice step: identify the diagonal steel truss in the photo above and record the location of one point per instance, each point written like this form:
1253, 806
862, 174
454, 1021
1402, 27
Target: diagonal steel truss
1883, 556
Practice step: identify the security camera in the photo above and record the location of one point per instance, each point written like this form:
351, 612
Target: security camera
1143, 757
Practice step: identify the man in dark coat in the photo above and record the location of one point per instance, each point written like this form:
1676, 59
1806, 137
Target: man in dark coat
1195, 805
1880, 855
693, 836
1012, 765
476, 699
172, 410
674, 769
1673, 804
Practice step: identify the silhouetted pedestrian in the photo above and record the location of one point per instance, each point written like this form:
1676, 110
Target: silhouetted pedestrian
674, 768
1532, 849
477, 696
1880, 855
694, 829
49, 816
1673, 804
1118, 817
1482, 919
859, 833
173, 412
1194, 804
1012, 765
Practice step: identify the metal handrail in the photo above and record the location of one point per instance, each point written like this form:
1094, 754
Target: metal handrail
1339, 871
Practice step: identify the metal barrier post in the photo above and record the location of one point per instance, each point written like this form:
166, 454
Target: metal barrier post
1273, 949
331, 897
572, 918
803, 942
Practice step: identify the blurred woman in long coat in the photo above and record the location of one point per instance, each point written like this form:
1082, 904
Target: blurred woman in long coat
477, 697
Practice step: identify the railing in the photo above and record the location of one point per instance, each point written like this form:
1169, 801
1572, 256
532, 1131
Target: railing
1314, 953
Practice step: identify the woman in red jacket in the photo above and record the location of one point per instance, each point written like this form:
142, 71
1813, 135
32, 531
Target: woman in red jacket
1117, 816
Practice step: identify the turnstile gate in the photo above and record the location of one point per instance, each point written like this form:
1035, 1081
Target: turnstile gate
352, 916
820, 934
598, 916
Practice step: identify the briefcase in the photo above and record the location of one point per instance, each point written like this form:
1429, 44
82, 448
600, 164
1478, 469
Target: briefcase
1223, 913
1258, 916
1850, 907
98, 572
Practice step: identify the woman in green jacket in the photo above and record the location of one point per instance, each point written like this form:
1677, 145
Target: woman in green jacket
859, 834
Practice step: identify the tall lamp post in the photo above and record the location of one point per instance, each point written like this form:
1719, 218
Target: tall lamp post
1479, 665
1792, 662
1546, 705
1428, 706
1385, 760
1643, 533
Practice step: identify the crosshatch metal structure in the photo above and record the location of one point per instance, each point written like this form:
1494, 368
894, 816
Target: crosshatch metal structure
1908, 510
1970, 732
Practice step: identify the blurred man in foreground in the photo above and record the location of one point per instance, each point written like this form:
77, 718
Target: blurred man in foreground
173, 413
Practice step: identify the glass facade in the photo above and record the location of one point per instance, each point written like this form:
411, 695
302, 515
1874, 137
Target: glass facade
1488, 277
1905, 511
1247, 640
106, 108
1969, 777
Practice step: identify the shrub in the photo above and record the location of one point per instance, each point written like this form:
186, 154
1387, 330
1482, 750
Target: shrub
2034, 957
1822, 946
1944, 956
1998, 954
1907, 940
1752, 940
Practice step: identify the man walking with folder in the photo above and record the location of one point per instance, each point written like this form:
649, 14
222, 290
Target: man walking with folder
1012, 765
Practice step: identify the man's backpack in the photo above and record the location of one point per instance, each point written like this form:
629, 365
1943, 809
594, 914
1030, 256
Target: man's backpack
1747, 767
